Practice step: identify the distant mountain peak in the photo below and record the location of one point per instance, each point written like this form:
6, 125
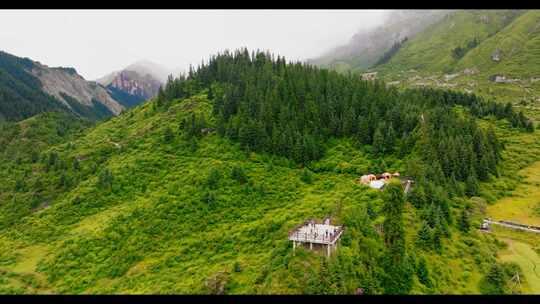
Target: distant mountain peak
140, 80
149, 67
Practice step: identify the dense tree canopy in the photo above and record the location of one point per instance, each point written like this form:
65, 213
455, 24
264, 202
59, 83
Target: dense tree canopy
291, 109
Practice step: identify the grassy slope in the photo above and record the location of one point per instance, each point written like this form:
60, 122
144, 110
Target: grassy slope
522, 254
425, 59
430, 51
519, 43
154, 232
514, 195
520, 206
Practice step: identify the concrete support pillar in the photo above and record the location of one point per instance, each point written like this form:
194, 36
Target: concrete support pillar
328, 250
293, 246
310, 246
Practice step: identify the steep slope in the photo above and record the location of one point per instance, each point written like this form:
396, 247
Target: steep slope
502, 63
165, 198
29, 88
490, 43
431, 50
21, 95
367, 46
519, 48
136, 83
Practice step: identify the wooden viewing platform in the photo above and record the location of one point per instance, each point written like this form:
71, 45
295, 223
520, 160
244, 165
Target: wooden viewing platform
321, 235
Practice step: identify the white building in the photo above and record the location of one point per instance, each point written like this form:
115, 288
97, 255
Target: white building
316, 235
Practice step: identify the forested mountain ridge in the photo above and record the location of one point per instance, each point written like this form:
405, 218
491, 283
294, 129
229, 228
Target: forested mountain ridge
21, 96
28, 88
195, 191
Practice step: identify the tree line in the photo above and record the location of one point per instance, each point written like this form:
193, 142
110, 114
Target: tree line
291, 109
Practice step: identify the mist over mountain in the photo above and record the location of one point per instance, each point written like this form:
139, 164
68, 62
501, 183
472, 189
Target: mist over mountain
367, 45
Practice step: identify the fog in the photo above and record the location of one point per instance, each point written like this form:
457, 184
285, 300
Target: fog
97, 42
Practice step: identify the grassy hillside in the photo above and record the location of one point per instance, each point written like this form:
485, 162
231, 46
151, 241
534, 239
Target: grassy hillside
519, 44
429, 59
156, 201
431, 50
367, 46
163, 227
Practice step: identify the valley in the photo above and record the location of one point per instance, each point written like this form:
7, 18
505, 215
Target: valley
139, 183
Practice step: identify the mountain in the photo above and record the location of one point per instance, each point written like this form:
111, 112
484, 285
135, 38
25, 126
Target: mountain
28, 88
136, 83
462, 31
367, 46
492, 53
196, 190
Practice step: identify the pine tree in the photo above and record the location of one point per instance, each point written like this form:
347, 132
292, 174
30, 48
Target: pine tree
422, 272
238, 174
105, 179
398, 275
378, 142
424, 238
169, 135
390, 139
464, 222
471, 185
307, 176
161, 98
494, 281
213, 178
371, 210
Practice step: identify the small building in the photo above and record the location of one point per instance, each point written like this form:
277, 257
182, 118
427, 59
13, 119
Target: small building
366, 179
498, 78
485, 225
449, 77
369, 76
496, 56
377, 181
377, 184
322, 236
470, 71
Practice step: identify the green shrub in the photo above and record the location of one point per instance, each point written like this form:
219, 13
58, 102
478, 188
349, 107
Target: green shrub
307, 176
213, 178
238, 174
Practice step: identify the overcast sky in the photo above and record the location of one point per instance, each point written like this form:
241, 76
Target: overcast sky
97, 42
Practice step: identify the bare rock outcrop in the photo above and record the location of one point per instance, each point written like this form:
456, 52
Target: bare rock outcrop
60, 81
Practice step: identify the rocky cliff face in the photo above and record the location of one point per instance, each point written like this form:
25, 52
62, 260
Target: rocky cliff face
62, 82
131, 82
141, 79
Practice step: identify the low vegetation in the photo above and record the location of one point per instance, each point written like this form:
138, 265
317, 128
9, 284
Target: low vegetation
179, 196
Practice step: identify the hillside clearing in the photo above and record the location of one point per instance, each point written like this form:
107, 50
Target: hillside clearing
520, 206
529, 261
